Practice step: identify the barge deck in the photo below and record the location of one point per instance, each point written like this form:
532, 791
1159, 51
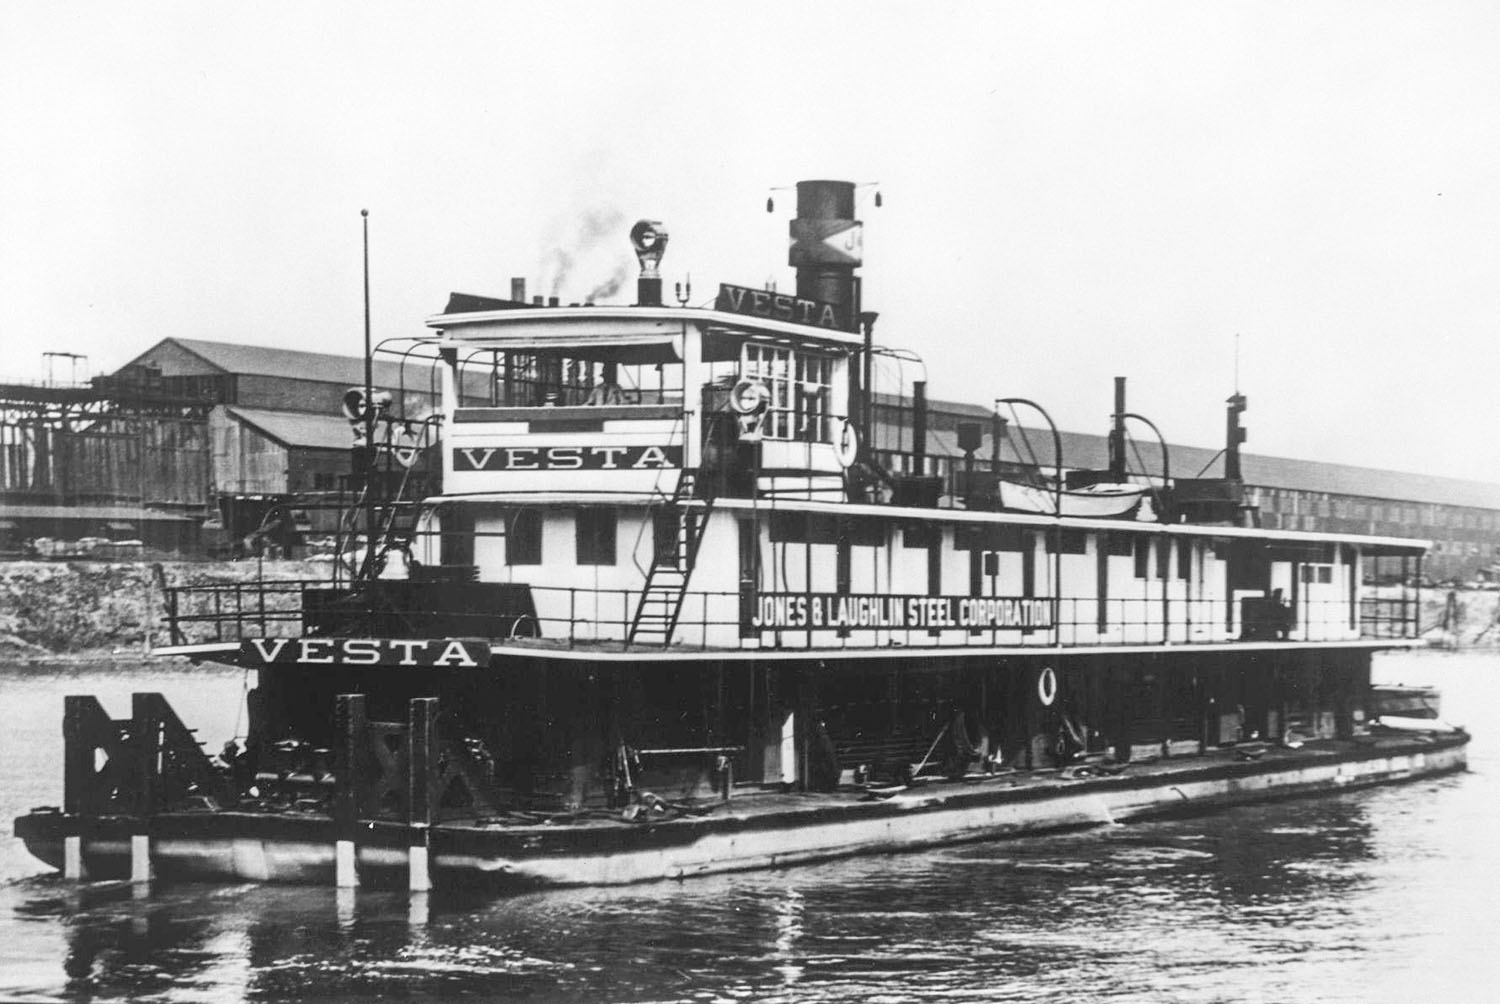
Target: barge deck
759, 829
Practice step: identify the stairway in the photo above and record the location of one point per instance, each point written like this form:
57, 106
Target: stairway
671, 566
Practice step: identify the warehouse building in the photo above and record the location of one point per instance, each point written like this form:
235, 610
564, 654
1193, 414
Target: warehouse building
195, 434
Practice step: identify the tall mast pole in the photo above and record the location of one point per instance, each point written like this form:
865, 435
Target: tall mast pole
369, 412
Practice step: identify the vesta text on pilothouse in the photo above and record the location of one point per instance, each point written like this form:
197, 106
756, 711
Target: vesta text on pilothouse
565, 458
782, 611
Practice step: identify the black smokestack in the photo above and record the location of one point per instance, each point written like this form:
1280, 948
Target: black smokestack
827, 246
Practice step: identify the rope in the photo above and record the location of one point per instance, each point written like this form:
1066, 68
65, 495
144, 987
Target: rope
923, 763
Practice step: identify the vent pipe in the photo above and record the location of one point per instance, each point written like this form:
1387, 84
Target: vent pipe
919, 427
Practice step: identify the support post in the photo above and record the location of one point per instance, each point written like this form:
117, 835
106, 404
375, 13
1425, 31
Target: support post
422, 741
78, 756
349, 722
73, 858
146, 733
140, 857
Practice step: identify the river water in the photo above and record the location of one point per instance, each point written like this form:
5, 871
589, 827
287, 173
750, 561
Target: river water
1383, 895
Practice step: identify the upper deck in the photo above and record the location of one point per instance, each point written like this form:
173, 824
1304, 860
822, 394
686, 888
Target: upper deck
707, 480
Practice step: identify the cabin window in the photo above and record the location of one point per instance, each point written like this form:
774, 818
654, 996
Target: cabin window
523, 538
804, 528
863, 531
456, 541
596, 536
991, 537
800, 385
1184, 560
1069, 541
1322, 574
1142, 558
1163, 558
666, 531
921, 535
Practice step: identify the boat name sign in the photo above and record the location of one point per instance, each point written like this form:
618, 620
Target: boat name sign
781, 611
460, 652
779, 307
565, 458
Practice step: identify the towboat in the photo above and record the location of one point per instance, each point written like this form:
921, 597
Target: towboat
685, 603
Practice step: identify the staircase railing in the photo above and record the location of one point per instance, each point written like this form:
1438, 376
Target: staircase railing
660, 605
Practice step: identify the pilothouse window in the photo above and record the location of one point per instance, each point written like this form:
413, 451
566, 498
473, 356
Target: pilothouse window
801, 387
564, 376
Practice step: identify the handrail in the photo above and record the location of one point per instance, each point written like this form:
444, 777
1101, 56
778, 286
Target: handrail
232, 612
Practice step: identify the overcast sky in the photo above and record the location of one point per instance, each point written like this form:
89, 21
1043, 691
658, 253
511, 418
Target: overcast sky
1072, 192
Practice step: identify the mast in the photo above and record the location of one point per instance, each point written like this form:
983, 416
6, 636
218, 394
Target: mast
369, 454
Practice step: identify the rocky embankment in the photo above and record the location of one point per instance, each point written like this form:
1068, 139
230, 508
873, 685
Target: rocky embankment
108, 610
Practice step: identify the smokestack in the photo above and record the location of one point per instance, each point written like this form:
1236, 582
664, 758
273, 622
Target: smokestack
553, 301
1117, 435
518, 289
1233, 437
919, 426
827, 246
536, 301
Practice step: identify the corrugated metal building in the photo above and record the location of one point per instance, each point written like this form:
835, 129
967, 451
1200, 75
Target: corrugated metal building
276, 427
1461, 518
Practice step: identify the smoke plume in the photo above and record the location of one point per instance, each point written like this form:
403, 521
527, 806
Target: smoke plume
592, 244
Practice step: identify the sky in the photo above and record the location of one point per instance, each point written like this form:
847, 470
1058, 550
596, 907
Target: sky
1071, 192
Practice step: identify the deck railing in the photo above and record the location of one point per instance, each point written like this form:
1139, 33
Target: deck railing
580, 617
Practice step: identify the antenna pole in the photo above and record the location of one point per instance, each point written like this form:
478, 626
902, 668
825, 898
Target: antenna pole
369, 411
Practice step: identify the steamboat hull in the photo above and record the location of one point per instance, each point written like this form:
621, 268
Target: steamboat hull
756, 832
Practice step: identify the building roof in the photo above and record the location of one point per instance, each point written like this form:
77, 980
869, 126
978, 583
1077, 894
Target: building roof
260, 360
298, 428
1085, 451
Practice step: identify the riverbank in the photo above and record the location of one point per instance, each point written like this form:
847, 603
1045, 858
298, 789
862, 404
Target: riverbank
96, 612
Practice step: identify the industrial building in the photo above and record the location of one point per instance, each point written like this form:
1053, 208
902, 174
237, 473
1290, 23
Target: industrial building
192, 441
1461, 518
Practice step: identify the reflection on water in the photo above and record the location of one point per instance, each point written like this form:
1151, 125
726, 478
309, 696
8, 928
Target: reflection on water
1380, 895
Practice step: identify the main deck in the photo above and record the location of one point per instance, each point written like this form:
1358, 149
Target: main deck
665, 840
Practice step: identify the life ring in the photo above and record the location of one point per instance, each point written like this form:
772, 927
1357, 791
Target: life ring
846, 444
1046, 686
